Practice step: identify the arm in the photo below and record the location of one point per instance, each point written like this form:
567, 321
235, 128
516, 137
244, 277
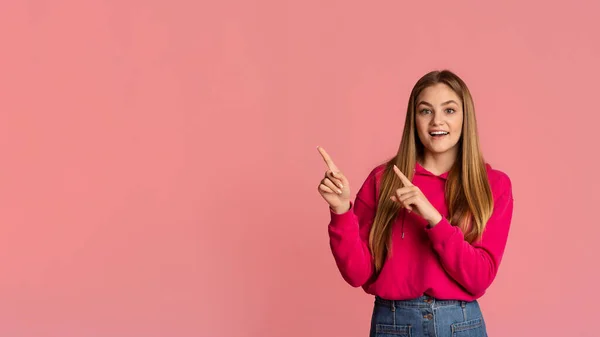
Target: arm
349, 236
474, 266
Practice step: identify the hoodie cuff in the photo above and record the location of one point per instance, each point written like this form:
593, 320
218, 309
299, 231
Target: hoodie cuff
440, 232
338, 219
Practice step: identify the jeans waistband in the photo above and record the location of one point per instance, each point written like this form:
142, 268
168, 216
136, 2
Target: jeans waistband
424, 301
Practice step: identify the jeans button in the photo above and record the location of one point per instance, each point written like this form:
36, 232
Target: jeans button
428, 316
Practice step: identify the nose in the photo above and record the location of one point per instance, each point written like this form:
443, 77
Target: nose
438, 118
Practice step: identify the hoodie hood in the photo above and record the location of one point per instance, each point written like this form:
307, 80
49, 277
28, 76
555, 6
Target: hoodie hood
420, 170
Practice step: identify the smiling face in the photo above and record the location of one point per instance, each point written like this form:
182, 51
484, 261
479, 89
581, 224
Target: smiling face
439, 119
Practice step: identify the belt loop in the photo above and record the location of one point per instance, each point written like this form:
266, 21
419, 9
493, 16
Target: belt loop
394, 312
463, 304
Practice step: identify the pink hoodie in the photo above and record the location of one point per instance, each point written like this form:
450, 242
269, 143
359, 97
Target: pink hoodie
437, 261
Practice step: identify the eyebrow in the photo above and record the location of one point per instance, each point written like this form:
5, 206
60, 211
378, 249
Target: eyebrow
429, 104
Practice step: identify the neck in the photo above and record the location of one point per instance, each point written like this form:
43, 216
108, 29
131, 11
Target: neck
438, 163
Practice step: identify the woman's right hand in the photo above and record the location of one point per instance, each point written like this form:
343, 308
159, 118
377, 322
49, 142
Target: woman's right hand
334, 187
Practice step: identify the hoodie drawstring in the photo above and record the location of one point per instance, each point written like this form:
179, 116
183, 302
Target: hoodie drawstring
403, 216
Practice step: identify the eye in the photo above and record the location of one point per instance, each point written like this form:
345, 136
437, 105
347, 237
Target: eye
450, 110
424, 111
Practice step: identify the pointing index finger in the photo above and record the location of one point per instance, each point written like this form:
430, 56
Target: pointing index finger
402, 177
327, 159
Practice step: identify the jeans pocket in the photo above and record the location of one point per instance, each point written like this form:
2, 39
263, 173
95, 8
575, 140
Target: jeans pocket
472, 328
386, 330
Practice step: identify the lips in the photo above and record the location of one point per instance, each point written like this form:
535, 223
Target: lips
438, 133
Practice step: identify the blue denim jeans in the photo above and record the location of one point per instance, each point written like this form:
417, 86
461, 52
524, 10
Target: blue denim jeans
427, 316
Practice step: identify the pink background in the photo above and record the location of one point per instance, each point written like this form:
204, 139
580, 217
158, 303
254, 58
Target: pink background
159, 168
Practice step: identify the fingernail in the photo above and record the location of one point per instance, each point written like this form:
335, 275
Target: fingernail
340, 191
341, 186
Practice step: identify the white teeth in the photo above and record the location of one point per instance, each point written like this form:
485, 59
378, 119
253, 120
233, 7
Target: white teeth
438, 133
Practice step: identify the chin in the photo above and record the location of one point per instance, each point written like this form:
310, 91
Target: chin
439, 149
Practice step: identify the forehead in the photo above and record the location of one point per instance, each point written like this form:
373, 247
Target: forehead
437, 94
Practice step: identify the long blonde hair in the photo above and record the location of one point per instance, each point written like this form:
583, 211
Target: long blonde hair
467, 192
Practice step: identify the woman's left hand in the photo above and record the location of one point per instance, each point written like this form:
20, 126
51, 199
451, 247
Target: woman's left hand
411, 198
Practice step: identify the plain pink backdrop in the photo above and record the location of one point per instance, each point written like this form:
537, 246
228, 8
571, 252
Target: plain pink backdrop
159, 168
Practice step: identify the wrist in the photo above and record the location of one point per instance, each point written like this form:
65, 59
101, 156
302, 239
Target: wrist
341, 209
433, 221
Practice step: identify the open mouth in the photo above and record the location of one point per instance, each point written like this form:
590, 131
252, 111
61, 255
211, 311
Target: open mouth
437, 134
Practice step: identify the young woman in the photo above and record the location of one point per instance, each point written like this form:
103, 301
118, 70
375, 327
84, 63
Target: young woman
427, 230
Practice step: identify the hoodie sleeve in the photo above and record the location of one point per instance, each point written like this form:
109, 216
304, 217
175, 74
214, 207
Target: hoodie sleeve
474, 266
349, 235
